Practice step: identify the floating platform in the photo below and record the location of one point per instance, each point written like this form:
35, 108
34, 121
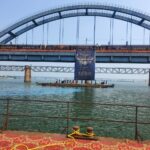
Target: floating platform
87, 85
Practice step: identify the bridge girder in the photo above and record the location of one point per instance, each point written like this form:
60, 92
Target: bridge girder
62, 69
101, 10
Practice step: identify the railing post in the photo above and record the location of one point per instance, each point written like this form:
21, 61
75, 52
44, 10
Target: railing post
68, 107
5, 123
136, 121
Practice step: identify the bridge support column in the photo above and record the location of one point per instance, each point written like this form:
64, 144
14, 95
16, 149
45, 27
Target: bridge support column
149, 78
27, 75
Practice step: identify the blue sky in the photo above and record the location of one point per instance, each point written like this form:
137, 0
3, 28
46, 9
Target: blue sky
13, 10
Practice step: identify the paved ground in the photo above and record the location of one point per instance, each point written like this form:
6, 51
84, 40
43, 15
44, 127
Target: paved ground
13, 140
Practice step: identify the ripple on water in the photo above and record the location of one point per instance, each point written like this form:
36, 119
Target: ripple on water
123, 93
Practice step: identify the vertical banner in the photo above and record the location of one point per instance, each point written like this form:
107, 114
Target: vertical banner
85, 64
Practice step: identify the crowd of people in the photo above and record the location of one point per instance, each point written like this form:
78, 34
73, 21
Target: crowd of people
80, 82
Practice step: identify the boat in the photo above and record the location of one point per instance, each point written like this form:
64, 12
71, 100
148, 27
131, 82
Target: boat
88, 85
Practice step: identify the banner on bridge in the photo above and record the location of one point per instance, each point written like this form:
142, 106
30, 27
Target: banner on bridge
85, 64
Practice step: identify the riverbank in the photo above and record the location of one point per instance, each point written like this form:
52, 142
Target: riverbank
9, 140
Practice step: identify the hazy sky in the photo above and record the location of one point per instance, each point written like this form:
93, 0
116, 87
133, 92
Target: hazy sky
12, 10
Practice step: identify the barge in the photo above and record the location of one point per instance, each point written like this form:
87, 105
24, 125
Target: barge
86, 85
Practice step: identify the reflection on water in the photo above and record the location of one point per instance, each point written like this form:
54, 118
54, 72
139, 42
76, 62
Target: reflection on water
124, 93
86, 96
17, 89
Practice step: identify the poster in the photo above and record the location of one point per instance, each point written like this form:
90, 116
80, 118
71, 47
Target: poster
85, 64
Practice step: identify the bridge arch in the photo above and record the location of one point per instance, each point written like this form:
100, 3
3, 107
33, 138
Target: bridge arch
101, 10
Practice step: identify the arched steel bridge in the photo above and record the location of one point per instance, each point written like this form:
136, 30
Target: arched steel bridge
102, 10
106, 70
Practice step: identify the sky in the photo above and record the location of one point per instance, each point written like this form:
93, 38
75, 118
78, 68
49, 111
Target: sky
13, 10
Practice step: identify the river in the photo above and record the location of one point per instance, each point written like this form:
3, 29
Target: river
133, 92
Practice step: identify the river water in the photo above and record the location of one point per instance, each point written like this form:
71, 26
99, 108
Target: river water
128, 92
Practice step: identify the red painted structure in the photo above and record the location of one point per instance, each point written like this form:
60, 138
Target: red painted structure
13, 140
72, 48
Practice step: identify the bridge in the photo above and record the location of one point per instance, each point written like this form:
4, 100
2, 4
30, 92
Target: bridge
31, 52
42, 52
100, 10
66, 53
62, 69
127, 53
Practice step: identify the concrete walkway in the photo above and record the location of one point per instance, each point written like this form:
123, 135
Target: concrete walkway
16, 140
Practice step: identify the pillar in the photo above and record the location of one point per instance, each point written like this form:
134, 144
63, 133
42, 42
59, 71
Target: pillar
149, 78
27, 75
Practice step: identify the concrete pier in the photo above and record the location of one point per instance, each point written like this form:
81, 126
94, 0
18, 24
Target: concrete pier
27, 75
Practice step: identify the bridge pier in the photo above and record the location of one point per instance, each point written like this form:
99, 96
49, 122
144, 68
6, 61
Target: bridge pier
27, 74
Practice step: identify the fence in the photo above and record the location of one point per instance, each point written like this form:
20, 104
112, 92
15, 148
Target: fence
113, 120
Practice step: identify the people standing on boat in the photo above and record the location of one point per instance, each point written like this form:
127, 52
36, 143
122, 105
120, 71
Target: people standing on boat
102, 82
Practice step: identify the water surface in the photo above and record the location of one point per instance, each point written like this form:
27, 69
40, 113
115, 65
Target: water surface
135, 93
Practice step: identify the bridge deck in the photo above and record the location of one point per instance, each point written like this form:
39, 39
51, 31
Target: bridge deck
72, 48
66, 53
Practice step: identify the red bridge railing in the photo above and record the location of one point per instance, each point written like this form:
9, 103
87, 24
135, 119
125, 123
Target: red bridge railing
72, 48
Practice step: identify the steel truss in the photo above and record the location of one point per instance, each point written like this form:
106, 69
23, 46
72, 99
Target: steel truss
52, 69
62, 69
11, 68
